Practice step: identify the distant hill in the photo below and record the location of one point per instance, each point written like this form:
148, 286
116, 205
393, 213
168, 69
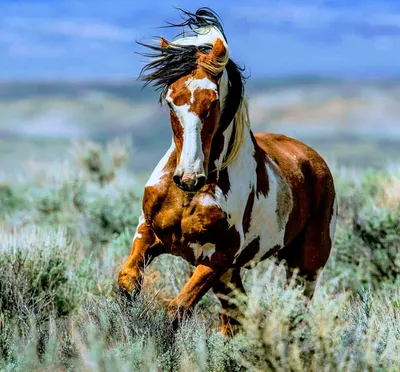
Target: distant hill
14, 90
353, 121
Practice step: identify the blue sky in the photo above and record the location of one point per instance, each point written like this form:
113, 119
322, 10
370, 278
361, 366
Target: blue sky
94, 39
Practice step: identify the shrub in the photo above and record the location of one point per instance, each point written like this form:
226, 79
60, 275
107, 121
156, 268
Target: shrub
64, 231
367, 244
39, 279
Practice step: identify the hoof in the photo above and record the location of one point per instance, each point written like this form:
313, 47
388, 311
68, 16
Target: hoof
176, 315
229, 330
126, 297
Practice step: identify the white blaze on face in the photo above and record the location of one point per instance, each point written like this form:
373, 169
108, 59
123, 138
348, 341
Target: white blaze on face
192, 157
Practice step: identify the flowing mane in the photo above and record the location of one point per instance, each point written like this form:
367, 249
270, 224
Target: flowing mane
169, 61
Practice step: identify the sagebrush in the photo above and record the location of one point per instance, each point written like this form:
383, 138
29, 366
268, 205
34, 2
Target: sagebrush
64, 230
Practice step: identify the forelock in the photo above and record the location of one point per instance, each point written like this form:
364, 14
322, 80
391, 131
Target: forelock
181, 56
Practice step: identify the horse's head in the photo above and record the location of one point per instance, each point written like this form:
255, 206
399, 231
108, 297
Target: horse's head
196, 77
194, 103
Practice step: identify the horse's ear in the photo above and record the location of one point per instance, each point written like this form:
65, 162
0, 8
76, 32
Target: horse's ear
164, 43
216, 60
218, 50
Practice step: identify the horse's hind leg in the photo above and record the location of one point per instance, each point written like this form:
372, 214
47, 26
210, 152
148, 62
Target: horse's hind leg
225, 289
310, 250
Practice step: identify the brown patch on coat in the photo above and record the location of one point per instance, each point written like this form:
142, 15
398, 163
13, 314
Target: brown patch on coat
284, 202
177, 129
271, 252
145, 248
303, 170
222, 180
208, 224
247, 212
203, 100
261, 169
204, 277
180, 93
248, 253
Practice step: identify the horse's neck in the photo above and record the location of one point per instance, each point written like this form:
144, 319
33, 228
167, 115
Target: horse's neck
242, 171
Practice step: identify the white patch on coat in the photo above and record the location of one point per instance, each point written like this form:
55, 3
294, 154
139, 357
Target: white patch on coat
208, 201
332, 224
264, 221
192, 156
140, 222
158, 171
204, 83
207, 250
242, 176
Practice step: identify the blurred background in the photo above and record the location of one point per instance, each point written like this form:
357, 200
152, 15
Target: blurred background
325, 72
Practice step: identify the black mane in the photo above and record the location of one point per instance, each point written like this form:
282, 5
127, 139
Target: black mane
203, 17
169, 64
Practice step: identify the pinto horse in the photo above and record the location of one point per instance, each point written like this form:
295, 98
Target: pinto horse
223, 197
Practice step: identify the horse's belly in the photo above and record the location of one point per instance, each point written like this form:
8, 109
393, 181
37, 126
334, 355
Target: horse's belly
265, 237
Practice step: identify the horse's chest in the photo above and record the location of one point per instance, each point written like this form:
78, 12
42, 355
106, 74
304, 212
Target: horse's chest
191, 228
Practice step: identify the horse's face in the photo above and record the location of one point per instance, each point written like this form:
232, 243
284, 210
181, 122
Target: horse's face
195, 114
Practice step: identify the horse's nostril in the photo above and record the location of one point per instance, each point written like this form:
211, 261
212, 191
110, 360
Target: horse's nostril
200, 182
190, 183
178, 180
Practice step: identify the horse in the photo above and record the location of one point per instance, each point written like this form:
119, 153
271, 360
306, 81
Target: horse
223, 197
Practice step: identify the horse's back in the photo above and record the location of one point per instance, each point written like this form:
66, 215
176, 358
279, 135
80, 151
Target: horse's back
307, 175
301, 165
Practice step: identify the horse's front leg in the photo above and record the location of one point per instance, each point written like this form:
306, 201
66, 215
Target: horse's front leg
145, 247
203, 278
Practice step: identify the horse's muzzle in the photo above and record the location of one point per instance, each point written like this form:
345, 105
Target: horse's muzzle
190, 182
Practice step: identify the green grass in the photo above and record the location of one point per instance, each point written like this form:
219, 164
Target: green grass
66, 229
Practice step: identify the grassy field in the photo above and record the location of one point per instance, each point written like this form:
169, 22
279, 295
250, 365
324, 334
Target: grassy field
65, 230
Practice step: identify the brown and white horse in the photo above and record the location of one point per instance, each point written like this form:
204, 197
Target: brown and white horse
222, 197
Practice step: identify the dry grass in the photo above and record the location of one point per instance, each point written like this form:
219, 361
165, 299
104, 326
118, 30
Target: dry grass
63, 235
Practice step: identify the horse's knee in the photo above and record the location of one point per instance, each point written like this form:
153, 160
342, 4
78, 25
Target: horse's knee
129, 279
176, 312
